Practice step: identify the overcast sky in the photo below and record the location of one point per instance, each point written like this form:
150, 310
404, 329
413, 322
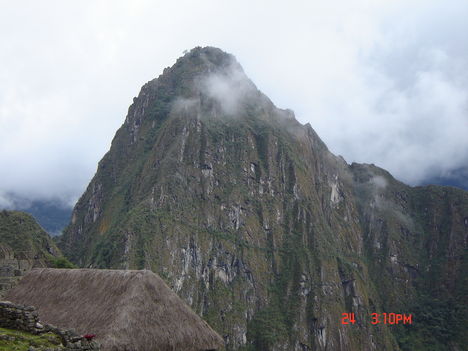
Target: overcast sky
382, 82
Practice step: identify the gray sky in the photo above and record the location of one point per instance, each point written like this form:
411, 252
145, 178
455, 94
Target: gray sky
382, 82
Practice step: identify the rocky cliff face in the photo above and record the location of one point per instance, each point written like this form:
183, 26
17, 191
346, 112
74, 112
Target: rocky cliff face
263, 231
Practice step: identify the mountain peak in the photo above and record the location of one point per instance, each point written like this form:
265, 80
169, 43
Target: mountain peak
209, 56
200, 62
206, 77
206, 83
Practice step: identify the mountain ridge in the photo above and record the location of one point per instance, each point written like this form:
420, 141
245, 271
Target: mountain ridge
260, 228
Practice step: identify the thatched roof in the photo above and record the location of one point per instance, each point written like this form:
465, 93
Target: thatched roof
127, 310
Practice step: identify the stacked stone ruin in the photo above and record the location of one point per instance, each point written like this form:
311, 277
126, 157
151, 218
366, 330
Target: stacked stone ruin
26, 318
12, 267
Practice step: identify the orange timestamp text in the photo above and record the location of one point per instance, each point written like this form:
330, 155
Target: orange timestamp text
380, 318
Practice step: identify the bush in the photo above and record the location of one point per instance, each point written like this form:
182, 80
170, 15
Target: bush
60, 262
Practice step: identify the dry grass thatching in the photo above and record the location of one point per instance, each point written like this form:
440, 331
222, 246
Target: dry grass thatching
127, 310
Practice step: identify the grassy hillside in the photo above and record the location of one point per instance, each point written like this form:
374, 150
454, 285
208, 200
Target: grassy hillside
15, 340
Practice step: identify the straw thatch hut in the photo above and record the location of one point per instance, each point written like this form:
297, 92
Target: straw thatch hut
127, 310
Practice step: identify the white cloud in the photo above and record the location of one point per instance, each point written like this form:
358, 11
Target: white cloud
229, 88
382, 82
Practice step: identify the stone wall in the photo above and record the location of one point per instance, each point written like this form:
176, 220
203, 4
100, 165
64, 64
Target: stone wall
12, 267
26, 318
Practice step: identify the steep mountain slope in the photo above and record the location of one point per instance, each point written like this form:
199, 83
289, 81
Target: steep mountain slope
24, 245
415, 243
21, 233
261, 229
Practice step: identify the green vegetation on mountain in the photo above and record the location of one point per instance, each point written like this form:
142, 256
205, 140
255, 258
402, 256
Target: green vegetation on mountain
263, 231
23, 240
20, 232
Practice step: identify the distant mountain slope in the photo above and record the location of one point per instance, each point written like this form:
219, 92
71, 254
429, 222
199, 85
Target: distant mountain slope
262, 230
23, 246
25, 237
52, 215
457, 178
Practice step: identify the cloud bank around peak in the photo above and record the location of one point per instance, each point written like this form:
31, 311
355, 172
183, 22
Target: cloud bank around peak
229, 88
381, 82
